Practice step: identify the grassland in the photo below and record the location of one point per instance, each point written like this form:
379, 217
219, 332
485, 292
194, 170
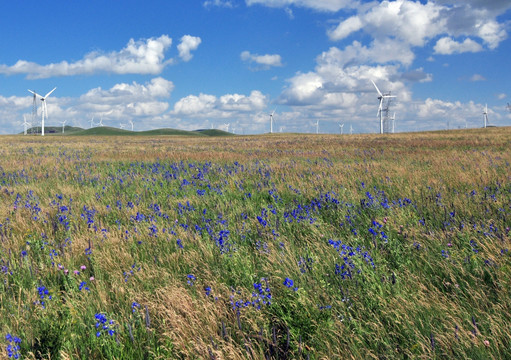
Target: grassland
276, 247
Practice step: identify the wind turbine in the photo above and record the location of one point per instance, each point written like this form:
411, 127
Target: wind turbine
92, 122
317, 126
63, 123
485, 115
271, 121
44, 108
131, 123
351, 129
121, 125
226, 126
101, 121
25, 124
382, 98
340, 127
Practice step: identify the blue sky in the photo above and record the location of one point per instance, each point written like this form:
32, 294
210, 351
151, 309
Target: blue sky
227, 64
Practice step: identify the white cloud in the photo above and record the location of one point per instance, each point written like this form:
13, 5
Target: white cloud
345, 28
492, 33
417, 75
320, 5
226, 106
219, 3
138, 57
125, 101
501, 96
411, 22
416, 23
477, 77
188, 43
447, 46
264, 61
146, 56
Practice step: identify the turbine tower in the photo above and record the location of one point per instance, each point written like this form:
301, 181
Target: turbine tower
317, 126
63, 123
271, 121
25, 125
92, 122
382, 98
131, 123
34, 112
485, 115
44, 108
340, 127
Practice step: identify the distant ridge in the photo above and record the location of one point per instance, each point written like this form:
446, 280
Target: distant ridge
111, 131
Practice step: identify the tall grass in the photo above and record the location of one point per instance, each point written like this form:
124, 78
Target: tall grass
276, 247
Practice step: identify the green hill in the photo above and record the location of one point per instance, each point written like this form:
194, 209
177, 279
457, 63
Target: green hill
112, 131
213, 132
53, 130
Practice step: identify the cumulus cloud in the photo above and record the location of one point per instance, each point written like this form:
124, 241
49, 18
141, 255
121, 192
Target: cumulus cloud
447, 46
226, 106
417, 75
411, 22
188, 44
145, 56
126, 101
415, 24
263, 61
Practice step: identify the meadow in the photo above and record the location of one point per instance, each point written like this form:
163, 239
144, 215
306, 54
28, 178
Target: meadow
257, 247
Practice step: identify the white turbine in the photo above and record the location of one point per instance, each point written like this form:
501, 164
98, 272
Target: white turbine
271, 121
381, 97
44, 108
25, 125
63, 123
92, 122
121, 125
341, 127
101, 121
485, 116
351, 129
226, 126
317, 126
131, 123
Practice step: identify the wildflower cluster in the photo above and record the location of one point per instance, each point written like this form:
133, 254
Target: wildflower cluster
43, 294
13, 347
261, 296
289, 283
103, 325
348, 254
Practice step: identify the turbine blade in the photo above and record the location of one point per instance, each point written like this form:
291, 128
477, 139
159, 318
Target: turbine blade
33, 92
50, 92
376, 87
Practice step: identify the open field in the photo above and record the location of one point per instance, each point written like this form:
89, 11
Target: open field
277, 246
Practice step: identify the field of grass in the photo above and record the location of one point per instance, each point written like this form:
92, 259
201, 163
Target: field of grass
262, 247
